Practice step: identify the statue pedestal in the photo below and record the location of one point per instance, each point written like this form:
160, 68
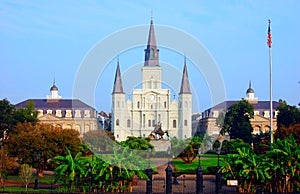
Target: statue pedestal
161, 144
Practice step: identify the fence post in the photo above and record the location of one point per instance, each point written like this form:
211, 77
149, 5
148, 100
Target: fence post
149, 182
168, 179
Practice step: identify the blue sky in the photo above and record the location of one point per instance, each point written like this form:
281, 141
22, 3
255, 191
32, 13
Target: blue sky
43, 40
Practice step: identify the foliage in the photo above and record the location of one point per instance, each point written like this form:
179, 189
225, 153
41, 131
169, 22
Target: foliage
216, 144
246, 167
284, 160
107, 173
237, 121
277, 170
187, 149
118, 170
137, 143
27, 114
287, 131
232, 145
69, 168
30, 139
25, 174
9, 116
287, 116
7, 120
99, 140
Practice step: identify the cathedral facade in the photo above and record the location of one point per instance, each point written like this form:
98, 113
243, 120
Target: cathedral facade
151, 105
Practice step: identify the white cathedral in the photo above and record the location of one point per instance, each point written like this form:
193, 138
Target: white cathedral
151, 105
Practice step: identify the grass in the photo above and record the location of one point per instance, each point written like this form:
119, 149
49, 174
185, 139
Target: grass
23, 190
208, 163
44, 179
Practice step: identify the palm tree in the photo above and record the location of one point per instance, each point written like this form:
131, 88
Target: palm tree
249, 169
116, 171
285, 160
69, 168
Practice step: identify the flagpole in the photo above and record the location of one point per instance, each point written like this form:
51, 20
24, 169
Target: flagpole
270, 61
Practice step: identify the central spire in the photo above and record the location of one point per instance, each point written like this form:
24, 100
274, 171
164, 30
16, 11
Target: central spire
151, 52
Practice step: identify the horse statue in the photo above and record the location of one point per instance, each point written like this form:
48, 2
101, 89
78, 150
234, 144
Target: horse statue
158, 131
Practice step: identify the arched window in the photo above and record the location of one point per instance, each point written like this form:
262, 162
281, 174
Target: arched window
174, 123
153, 123
128, 123
149, 123
165, 104
185, 122
138, 104
117, 122
68, 126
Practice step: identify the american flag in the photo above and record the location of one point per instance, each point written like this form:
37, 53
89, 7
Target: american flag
269, 42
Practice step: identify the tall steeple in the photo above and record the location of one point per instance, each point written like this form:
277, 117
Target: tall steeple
118, 86
151, 52
185, 84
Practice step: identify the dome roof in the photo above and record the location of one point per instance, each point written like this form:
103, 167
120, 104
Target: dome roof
250, 90
53, 88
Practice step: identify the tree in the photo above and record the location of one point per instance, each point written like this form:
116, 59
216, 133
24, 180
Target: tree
10, 117
237, 121
27, 114
118, 169
99, 140
216, 145
7, 120
29, 139
187, 149
25, 174
69, 167
288, 115
137, 143
284, 165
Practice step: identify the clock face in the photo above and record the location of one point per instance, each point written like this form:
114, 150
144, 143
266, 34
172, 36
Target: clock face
151, 97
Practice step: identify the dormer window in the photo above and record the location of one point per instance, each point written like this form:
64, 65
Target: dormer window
40, 113
77, 113
266, 114
86, 113
68, 113
58, 113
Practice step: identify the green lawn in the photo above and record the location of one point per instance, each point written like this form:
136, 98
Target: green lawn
44, 179
207, 161
22, 190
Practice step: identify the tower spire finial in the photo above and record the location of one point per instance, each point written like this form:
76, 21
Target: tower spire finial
151, 52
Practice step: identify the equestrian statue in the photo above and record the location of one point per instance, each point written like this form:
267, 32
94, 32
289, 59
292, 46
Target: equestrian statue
158, 131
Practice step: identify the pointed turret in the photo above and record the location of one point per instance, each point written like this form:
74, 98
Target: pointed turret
151, 52
118, 86
185, 84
